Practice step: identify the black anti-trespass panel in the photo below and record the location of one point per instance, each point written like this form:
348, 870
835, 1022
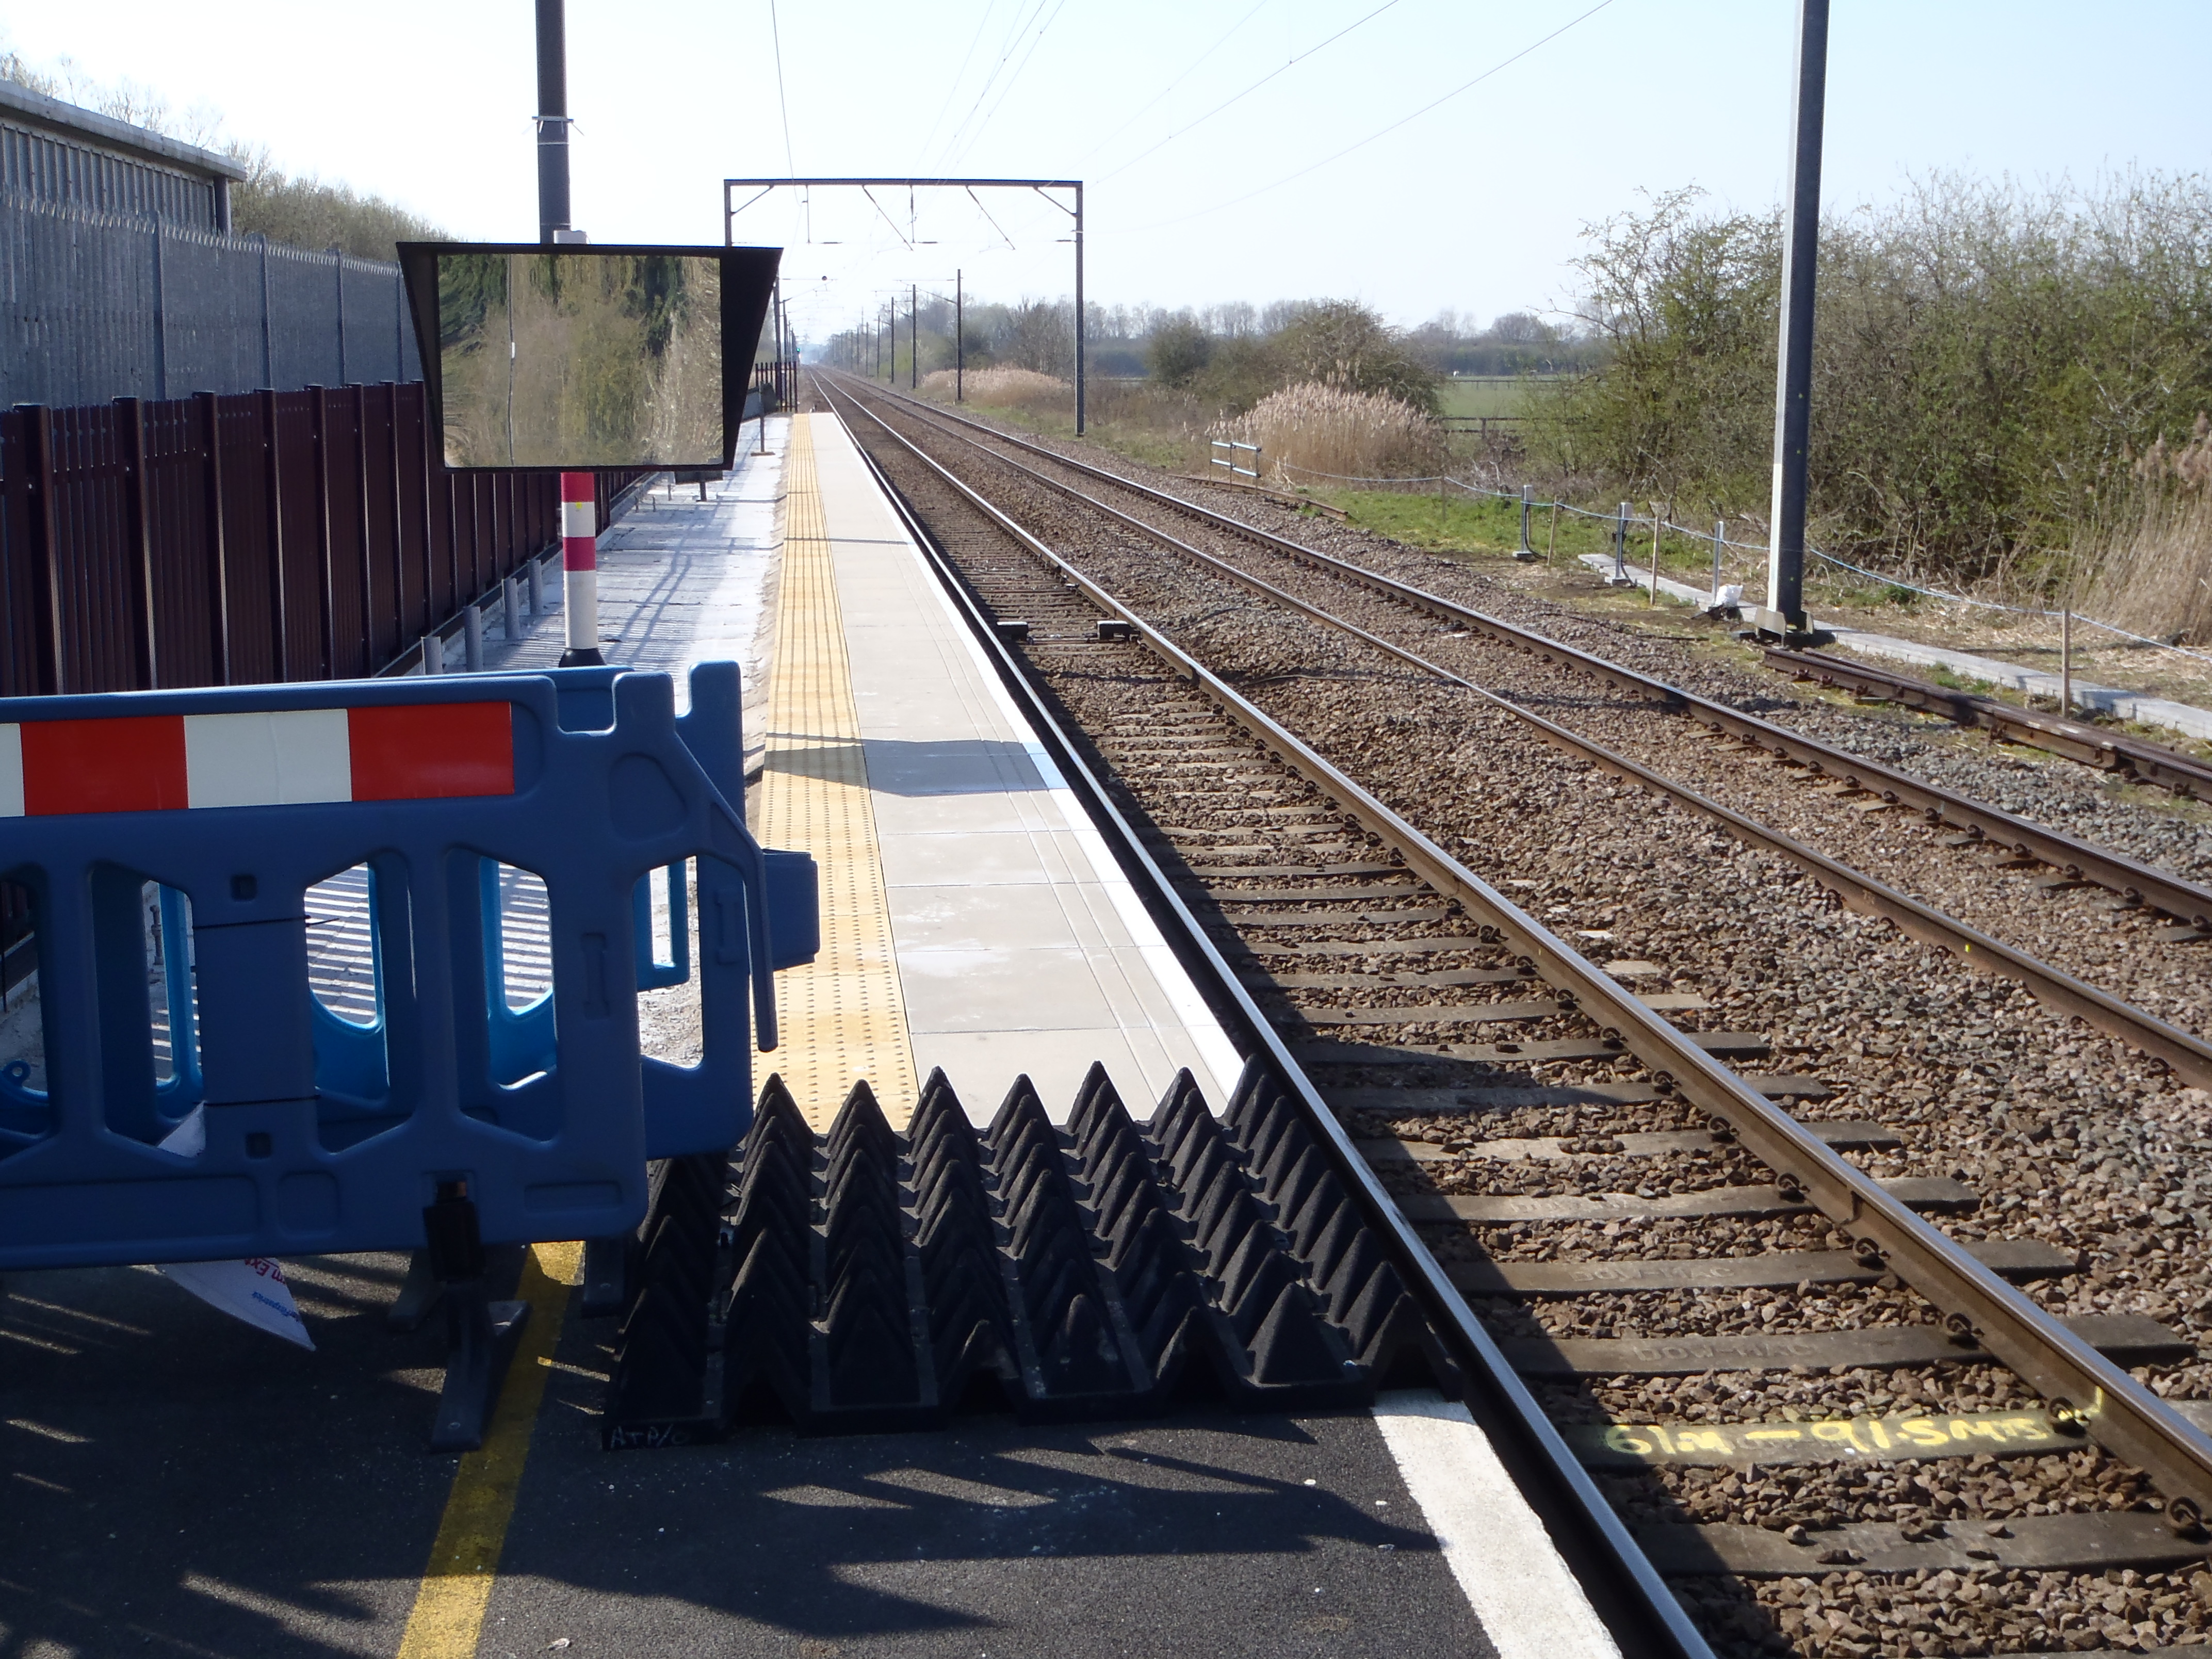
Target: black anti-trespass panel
871, 1280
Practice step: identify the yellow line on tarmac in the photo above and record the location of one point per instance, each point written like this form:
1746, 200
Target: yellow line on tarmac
449, 1607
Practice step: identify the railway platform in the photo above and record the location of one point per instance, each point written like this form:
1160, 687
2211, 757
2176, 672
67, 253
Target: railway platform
179, 1483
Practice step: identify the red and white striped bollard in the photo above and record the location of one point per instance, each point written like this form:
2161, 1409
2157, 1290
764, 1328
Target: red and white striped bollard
580, 568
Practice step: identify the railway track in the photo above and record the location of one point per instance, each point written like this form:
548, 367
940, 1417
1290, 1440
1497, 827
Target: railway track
1693, 1279
2107, 749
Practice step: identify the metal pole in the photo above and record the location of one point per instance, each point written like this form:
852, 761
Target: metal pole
1658, 528
2066, 660
913, 339
1621, 577
1527, 550
160, 321
1720, 526
959, 340
552, 120
1079, 401
1801, 245
1552, 546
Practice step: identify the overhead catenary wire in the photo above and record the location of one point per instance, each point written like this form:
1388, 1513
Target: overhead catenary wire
1013, 36
1238, 97
1465, 87
782, 103
1034, 39
1150, 104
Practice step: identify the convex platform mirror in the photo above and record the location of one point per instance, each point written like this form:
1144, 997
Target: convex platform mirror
583, 357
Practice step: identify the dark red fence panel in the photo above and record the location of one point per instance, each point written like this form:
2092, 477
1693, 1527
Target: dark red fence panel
230, 540
189, 635
299, 523
251, 588
101, 645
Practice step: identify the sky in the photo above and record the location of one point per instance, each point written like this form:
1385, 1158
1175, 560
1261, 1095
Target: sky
1209, 136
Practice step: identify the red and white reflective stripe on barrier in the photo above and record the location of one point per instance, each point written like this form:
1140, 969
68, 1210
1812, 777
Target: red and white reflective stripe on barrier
163, 762
579, 558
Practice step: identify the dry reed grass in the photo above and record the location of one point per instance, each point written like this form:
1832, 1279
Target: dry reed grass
1004, 388
1314, 428
2152, 569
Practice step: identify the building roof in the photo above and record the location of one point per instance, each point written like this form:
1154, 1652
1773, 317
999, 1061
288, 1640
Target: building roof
19, 104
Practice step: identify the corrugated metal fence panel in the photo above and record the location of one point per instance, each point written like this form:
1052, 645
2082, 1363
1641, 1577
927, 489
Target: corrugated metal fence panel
340, 424
95, 306
380, 503
186, 618
410, 493
90, 480
300, 520
249, 583
19, 643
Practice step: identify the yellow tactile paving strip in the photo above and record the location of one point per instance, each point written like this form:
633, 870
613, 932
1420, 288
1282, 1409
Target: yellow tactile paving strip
841, 1017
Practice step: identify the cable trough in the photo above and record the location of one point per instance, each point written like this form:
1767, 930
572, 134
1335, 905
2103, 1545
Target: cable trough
1400, 912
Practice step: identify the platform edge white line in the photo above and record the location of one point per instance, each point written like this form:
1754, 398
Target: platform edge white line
1513, 1576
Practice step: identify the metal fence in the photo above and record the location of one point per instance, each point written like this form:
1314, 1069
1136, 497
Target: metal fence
226, 540
95, 306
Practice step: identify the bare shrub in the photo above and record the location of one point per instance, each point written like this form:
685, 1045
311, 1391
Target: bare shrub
1004, 388
2153, 568
1329, 429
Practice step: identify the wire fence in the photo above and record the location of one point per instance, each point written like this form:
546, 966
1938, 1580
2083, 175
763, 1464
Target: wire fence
1444, 482
95, 306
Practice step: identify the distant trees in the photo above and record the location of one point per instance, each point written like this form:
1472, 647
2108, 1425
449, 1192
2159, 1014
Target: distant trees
1178, 349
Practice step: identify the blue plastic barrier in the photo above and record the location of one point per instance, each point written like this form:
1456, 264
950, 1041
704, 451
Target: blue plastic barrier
329, 1133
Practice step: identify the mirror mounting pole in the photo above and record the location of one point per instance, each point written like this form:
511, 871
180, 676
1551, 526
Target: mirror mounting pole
552, 122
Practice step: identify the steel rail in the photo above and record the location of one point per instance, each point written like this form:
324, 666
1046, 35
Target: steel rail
1644, 1615
2092, 745
2082, 1385
2186, 1055
2160, 889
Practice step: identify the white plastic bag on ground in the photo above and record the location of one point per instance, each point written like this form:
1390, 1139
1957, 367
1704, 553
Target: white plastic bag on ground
255, 1290
1729, 597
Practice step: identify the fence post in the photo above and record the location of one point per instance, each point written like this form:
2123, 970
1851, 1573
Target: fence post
138, 528
210, 427
1621, 576
268, 344
1658, 529
361, 519
399, 619
1526, 553
272, 475
321, 406
45, 550
161, 320
1720, 526
338, 261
